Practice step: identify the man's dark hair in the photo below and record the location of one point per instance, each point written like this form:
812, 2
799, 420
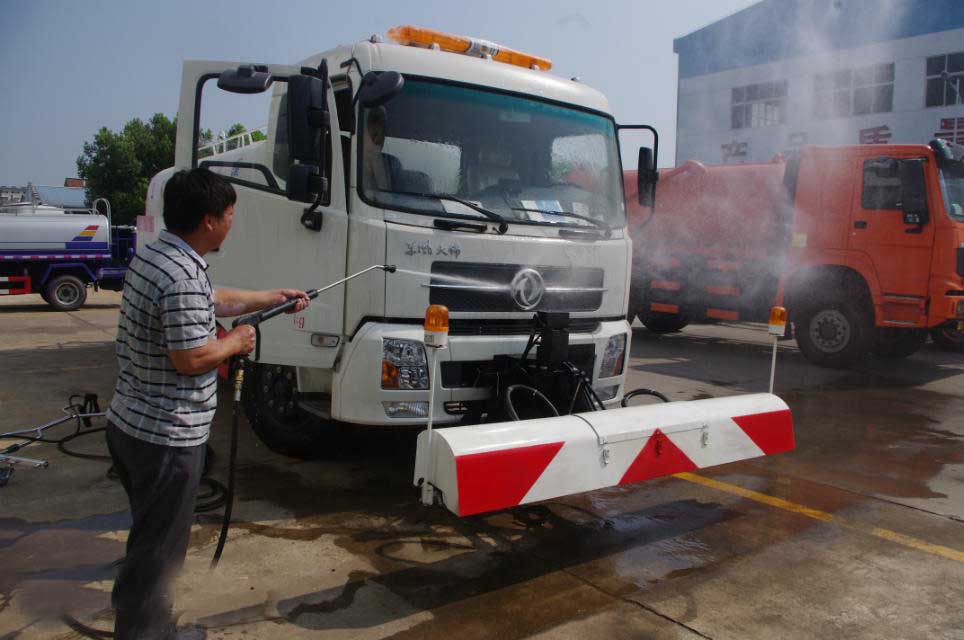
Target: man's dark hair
191, 195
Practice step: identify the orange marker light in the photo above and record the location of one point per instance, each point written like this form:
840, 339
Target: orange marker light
421, 37
389, 375
778, 321
436, 326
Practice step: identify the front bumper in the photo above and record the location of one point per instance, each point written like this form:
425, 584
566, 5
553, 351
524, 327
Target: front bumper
357, 395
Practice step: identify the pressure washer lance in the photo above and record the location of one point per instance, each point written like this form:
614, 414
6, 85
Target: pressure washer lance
254, 320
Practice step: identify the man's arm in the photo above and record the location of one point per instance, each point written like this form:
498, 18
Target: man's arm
237, 302
192, 362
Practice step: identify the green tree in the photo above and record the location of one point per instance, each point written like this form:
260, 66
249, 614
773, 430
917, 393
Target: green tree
119, 165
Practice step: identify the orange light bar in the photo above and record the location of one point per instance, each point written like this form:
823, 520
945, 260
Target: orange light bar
421, 37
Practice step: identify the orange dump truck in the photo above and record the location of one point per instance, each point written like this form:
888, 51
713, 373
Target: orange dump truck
863, 244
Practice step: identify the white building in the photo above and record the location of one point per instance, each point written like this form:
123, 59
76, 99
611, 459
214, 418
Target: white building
783, 73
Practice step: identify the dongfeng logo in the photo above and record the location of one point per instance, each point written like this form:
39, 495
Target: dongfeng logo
528, 289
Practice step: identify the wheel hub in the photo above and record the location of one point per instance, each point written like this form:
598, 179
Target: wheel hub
67, 294
278, 390
830, 331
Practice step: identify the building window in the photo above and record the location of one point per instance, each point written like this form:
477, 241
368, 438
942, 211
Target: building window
854, 92
759, 105
941, 92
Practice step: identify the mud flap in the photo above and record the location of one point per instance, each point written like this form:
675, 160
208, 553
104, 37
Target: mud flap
495, 466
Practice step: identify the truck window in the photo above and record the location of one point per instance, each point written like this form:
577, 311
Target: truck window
519, 157
881, 184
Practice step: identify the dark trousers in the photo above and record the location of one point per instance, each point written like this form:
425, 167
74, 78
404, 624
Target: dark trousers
161, 483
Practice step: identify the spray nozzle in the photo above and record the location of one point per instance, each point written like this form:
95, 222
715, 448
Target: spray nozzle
388, 268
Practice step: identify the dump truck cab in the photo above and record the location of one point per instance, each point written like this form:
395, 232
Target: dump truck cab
862, 244
494, 188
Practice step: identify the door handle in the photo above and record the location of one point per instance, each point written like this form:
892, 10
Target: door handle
860, 224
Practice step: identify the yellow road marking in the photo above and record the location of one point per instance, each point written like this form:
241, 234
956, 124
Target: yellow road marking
816, 514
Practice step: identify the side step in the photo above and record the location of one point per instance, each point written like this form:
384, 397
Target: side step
487, 467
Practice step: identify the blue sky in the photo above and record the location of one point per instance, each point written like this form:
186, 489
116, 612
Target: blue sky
72, 67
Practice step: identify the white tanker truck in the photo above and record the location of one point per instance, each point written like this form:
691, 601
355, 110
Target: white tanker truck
479, 182
58, 252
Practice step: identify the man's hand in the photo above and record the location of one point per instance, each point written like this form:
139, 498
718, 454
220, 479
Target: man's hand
283, 295
191, 362
243, 337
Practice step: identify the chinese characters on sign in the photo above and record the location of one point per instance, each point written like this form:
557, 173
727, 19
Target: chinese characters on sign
734, 151
952, 130
425, 248
875, 135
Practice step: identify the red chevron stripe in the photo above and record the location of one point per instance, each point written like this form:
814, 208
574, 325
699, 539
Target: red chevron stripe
499, 479
771, 431
659, 457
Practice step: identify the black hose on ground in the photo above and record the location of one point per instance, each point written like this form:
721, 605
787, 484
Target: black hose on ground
643, 392
232, 463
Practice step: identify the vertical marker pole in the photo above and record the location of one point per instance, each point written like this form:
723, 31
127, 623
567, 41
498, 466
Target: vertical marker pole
773, 364
777, 327
436, 338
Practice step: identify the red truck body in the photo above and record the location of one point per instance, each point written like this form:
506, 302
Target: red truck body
835, 234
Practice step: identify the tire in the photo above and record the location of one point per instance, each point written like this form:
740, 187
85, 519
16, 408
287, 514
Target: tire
948, 338
898, 343
65, 293
664, 322
834, 333
271, 406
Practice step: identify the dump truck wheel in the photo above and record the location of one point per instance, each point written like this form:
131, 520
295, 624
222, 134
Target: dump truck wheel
948, 338
271, 406
65, 293
834, 333
898, 343
664, 322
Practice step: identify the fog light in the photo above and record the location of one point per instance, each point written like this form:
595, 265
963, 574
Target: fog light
405, 409
403, 364
960, 307
613, 357
607, 393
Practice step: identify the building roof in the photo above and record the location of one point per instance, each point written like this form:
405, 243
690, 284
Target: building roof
778, 29
69, 197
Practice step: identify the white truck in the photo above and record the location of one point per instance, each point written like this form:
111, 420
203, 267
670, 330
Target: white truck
494, 187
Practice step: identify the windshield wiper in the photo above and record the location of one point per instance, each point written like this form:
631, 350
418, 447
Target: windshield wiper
491, 215
569, 214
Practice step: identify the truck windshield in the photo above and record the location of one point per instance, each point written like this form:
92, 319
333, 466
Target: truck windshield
524, 160
952, 185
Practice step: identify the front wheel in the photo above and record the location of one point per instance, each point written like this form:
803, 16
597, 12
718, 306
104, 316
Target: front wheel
271, 406
834, 333
948, 338
898, 343
65, 293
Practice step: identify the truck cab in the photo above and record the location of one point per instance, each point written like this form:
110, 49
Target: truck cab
493, 187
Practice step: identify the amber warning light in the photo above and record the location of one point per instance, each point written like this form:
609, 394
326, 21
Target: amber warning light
778, 321
437, 326
431, 39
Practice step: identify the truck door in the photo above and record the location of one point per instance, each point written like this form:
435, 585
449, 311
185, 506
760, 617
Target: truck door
269, 246
899, 248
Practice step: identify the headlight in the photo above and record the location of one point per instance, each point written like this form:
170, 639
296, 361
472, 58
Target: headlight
960, 307
404, 365
614, 356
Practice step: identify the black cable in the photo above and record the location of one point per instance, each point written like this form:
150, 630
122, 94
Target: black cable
83, 629
643, 392
232, 464
510, 409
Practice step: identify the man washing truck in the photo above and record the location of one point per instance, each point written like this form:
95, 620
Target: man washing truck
165, 398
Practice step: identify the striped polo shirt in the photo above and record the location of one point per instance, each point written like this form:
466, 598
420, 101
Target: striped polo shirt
168, 304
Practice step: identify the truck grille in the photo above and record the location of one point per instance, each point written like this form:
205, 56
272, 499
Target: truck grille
481, 287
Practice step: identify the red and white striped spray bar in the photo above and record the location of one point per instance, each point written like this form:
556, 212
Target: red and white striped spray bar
495, 466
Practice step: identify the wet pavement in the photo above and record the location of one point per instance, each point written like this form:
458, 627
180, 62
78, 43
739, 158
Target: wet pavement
858, 533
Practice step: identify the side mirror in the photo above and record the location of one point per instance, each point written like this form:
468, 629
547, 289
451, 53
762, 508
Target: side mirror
646, 177
245, 79
913, 192
379, 88
308, 119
